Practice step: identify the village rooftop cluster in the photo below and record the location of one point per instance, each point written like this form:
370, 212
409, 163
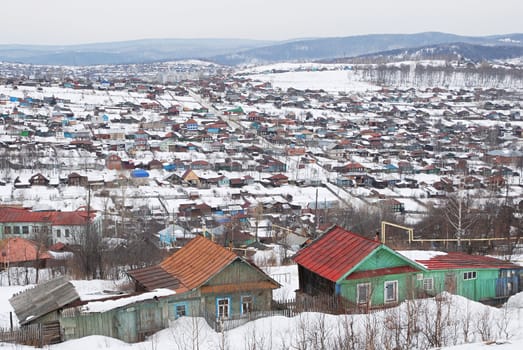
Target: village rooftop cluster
231, 170
235, 155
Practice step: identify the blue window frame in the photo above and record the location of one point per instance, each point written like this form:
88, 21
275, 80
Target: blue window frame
223, 308
180, 310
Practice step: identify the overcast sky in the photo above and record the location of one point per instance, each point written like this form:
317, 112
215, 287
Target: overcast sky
84, 21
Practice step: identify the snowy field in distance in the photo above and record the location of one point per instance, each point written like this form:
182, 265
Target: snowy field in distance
329, 77
332, 81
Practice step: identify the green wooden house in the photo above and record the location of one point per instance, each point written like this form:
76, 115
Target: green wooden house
201, 279
220, 285
366, 273
476, 277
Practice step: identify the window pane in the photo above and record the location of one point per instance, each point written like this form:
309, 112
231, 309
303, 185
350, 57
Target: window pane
427, 283
363, 293
390, 291
223, 308
180, 311
246, 304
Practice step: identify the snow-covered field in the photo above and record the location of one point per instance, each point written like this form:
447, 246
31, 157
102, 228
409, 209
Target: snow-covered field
330, 80
329, 77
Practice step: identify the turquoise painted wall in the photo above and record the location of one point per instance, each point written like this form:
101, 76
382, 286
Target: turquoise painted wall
480, 288
348, 288
381, 258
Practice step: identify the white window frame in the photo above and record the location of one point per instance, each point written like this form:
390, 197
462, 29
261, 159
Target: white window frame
428, 283
394, 290
223, 311
367, 287
470, 275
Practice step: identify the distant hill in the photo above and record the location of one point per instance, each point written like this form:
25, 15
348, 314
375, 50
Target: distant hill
239, 51
330, 48
137, 51
452, 51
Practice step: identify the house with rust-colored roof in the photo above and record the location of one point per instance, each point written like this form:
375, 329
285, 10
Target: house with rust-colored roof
367, 273
22, 252
216, 281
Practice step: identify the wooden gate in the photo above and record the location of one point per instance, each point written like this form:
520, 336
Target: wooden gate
51, 333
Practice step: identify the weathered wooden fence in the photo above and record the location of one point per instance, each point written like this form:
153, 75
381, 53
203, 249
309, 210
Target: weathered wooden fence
287, 308
222, 325
28, 335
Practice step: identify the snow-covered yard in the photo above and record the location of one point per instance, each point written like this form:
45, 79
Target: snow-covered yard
461, 321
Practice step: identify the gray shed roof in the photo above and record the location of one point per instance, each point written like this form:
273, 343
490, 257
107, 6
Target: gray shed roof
44, 298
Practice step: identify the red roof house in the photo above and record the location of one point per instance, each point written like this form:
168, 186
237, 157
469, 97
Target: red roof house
365, 272
340, 263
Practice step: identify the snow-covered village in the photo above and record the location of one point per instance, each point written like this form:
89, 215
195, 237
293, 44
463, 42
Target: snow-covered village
345, 193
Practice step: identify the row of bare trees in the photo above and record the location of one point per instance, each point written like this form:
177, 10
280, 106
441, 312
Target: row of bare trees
426, 75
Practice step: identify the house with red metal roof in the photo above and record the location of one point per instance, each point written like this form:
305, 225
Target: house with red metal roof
480, 278
367, 273
47, 227
362, 271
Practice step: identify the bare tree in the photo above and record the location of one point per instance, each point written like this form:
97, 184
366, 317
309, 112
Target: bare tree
459, 215
484, 324
347, 338
187, 333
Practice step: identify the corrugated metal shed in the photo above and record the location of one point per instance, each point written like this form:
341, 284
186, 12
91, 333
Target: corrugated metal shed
47, 297
335, 253
457, 260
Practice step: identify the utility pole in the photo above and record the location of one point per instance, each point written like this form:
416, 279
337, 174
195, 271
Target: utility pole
315, 214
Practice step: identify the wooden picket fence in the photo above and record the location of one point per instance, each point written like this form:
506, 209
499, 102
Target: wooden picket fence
36, 335
287, 308
27, 335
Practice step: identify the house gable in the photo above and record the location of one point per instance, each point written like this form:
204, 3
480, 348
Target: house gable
238, 276
335, 254
190, 176
384, 258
